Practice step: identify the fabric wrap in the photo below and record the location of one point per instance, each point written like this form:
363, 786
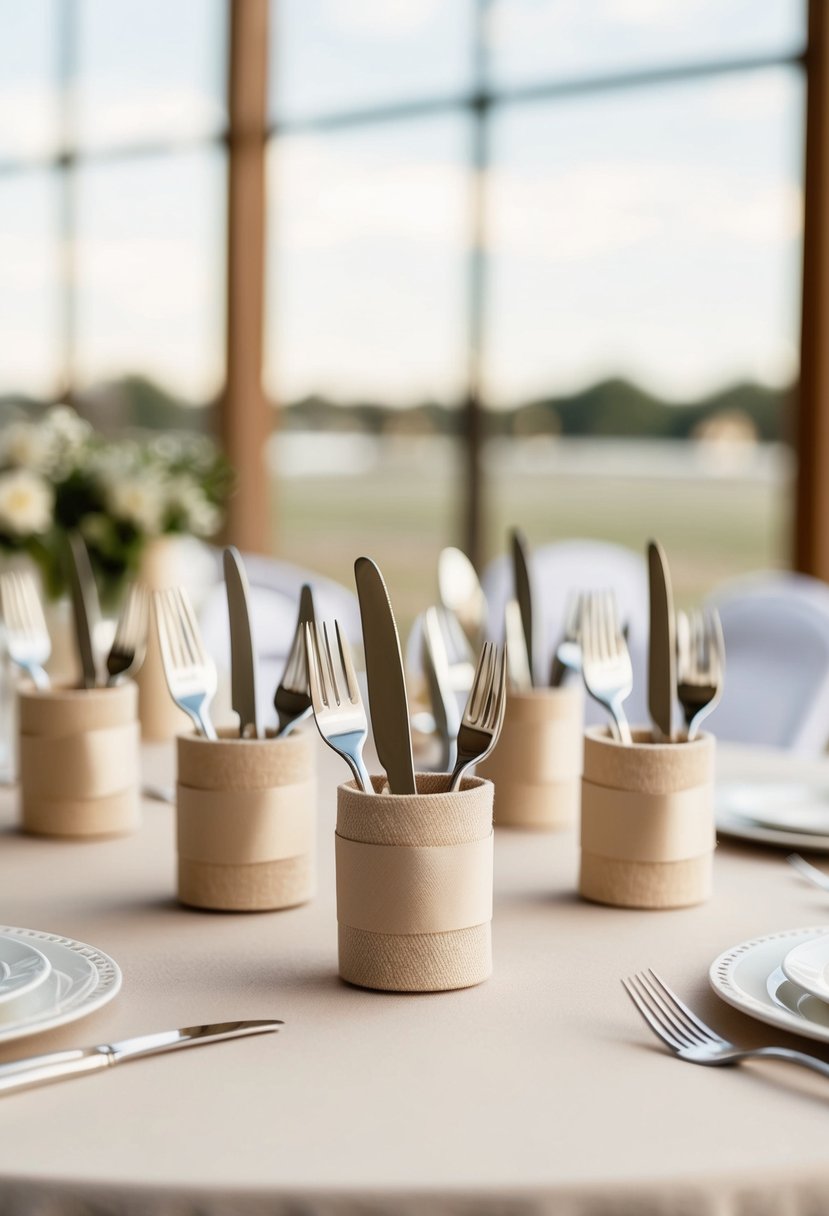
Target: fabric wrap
79, 760
245, 822
537, 762
647, 821
414, 885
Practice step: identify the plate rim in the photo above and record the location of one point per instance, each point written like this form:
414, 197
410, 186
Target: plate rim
733, 824
110, 979
34, 982
720, 978
821, 996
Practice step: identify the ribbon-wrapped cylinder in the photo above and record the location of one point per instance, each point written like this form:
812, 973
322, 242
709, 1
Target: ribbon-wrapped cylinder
414, 885
536, 763
79, 760
647, 821
246, 818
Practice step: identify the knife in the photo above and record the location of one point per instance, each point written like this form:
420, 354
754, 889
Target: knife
518, 666
386, 681
523, 593
58, 1065
662, 643
86, 610
242, 658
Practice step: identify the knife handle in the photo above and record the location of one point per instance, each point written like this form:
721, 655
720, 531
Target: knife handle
57, 1065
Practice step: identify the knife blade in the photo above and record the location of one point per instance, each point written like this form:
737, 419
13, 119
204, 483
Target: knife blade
86, 611
242, 656
59, 1065
523, 593
387, 698
662, 642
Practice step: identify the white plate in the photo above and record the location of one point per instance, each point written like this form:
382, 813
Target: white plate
791, 815
81, 980
751, 978
808, 966
22, 969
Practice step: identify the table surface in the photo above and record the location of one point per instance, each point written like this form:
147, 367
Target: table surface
542, 1081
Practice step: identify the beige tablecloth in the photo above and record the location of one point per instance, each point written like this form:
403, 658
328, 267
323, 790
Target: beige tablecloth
539, 1091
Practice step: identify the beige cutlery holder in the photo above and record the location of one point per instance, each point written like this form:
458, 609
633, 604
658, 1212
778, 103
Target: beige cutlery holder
79, 760
647, 821
246, 820
536, 763
414, 885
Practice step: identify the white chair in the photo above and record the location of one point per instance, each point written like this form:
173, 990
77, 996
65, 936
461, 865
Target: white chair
579, 565
776, 689
274, 602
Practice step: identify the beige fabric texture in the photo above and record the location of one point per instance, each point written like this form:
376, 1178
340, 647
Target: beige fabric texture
428, 944
536, 764
539, 1093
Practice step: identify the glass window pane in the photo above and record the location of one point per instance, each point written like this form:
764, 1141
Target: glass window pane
149, 70
28, 79
29, 296
646, 257
150, 272
366, 316
345, 54
533, 40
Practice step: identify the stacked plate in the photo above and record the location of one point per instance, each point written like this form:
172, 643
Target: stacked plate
782, 979
47, 981
793, 815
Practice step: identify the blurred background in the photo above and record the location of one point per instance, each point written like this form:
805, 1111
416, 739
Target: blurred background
427, 268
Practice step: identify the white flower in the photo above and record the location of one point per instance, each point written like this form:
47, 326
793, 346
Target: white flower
26, 503
26, 445
138, 500
187, 499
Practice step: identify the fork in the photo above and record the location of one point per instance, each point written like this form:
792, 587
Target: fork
27, 638
606, 666
484, 714
567, 654
700, 657
189, 670
292, 699
335, 694
688, 1037
127, 651
806, 870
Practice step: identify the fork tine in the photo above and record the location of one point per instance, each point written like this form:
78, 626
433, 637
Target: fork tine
190, 626
687, 1035
162, 628
689, 1014
656, 1026
328, 690
486, 687
34, 607
328, 661
352, 687
312, 657
470, 713
496, 707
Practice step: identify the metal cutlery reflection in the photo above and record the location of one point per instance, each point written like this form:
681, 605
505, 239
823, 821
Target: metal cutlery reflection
86, 610
442, 695
27, 638
127, 651
524, 594
683, 1033
242, 655
567, 656
292, 699
338, 707
806, 870
606, 666
518, 662
461, 593
189, 670
60, 1065
484, 714
700, 660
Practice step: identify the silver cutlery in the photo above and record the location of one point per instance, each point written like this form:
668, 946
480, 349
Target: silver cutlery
189, 671
606, 666
806, 870
80, 1061
86, 611
518, 661
461, 593
524, 594
338, 707
567, 655
242, 654
387, 696
126, 653
688, 1037
439, 681
484, 714
661, 644
27, 637
292, 699
700, 660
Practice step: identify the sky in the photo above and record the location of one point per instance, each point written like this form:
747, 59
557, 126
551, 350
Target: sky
653, 233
